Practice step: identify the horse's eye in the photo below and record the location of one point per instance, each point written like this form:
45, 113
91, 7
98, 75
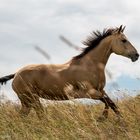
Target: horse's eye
124, 40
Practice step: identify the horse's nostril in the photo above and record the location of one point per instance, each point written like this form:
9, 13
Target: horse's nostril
137, 55
134, 57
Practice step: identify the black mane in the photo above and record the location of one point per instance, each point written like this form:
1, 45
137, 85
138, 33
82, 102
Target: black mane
93, 41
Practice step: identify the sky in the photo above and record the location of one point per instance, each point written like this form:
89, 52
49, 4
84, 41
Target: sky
27, 23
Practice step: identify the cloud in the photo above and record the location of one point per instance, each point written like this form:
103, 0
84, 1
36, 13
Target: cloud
26, 23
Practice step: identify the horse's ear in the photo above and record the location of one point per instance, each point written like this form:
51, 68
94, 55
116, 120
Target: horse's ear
123, 29
120, 29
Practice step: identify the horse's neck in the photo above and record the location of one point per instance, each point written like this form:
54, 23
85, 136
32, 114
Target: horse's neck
100, 54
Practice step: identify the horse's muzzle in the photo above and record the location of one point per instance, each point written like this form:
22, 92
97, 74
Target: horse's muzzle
134, 57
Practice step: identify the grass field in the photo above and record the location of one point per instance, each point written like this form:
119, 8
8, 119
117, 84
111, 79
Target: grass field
71, 122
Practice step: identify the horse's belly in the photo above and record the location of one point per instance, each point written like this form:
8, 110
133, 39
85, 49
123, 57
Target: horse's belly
52, 89
52, 94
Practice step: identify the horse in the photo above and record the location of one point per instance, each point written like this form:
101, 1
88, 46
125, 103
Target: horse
85, 73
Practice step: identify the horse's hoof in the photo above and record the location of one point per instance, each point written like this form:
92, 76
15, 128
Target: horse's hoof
105, 113
101, 118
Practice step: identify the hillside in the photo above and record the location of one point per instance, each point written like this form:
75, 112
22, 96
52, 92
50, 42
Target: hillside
71, 122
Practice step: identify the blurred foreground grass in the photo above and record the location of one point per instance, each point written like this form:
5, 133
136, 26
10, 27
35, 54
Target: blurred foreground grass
71, 122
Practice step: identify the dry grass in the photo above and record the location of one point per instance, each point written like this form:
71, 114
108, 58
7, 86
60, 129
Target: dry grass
71, 122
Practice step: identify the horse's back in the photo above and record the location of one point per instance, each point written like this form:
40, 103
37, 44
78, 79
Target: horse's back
41, 77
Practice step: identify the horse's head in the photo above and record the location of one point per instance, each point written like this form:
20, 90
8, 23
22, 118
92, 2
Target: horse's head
121, 46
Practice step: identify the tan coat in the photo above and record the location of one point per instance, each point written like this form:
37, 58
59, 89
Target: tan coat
82, 77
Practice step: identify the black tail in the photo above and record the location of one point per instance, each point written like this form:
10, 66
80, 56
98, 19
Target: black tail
4, 79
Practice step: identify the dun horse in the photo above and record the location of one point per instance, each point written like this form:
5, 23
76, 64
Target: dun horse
85, 73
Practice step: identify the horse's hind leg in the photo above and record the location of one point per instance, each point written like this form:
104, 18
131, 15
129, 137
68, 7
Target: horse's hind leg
25, 110
38, 107
29, 101
25, 106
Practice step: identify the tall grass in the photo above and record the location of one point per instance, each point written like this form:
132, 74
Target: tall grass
71, 122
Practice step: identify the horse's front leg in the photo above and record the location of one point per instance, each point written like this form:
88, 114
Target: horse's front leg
109, 103
101, 95
106, 109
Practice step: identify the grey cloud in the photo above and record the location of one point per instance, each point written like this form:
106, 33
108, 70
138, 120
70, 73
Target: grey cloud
26, 23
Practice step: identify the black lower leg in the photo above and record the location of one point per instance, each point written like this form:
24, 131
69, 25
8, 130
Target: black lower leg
105, 112
112, 104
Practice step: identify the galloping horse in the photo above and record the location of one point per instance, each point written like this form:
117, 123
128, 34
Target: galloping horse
85, 73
